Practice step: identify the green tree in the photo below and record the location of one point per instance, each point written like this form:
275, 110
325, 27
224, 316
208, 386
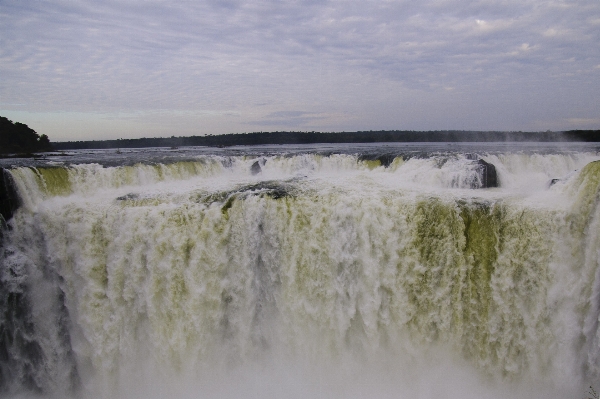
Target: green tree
18, 137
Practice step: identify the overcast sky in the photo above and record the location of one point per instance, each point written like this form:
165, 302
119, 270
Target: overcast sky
83, 70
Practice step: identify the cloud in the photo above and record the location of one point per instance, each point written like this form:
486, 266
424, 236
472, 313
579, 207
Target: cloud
341, 62
288, 119
577, 122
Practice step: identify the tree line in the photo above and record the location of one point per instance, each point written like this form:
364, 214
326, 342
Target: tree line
19, 138
262, 138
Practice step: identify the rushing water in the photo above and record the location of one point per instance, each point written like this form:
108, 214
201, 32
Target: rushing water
303, 271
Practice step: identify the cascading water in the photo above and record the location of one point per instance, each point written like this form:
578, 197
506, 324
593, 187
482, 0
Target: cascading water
309, 275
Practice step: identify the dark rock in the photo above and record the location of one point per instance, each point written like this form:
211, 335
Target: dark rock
385, 160
553, 182
272, 189
128, 197
9, 198
255, 168
23, 362
488, 174
21, 355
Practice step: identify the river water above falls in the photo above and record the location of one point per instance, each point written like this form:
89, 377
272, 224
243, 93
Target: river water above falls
418, 271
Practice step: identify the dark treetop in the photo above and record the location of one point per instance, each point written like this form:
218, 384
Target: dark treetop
20, 138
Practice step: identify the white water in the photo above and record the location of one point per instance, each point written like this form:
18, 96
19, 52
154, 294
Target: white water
318, 277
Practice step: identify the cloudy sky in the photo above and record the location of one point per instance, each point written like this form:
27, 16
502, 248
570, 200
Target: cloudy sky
83, 70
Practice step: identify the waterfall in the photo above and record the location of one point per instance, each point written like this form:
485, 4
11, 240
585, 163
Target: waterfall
327, 275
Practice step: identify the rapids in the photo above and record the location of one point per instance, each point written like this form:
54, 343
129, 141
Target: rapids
302, 272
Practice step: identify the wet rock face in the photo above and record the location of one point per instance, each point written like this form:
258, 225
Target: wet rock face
488, 174
553, 182
9, 199
255, 168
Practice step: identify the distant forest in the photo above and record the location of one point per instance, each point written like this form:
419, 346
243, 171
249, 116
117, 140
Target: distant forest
384, 136
19, 138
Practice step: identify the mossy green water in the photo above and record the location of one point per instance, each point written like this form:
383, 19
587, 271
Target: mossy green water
55, 180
